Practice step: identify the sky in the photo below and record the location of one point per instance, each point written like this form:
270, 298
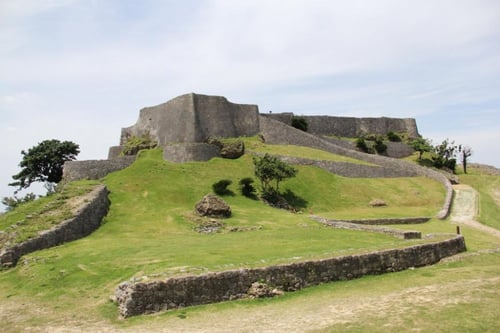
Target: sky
80, 70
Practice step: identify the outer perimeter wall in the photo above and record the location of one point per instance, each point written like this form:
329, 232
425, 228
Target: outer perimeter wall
353, 127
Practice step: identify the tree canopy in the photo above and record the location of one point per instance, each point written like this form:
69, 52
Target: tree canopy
269, 168
44, 162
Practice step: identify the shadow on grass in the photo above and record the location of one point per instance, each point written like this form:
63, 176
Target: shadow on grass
294, 200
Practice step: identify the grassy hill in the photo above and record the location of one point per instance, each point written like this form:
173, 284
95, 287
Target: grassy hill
149, 232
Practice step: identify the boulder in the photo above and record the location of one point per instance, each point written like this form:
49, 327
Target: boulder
213, 206
378, 203
233, 150
261, 290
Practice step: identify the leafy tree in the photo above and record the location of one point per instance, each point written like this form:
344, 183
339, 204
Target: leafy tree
445, 155
13, 202
269, 168
466, 152
300, 123
44, 162
422, 145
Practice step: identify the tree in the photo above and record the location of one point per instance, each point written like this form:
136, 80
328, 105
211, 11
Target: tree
421, 145
44, 162
269, 168
466, 152
246, 187
445, 155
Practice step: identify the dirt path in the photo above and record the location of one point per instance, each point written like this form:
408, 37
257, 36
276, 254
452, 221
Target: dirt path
466, 207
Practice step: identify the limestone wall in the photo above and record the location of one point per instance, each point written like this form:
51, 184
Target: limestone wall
185, 152
87, 219
94, 169
141, 298
353, 127
194, 118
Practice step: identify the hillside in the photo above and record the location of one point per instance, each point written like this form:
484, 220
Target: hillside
150, 233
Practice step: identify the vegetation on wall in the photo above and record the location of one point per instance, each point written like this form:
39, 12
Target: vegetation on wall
136, 143
300, 123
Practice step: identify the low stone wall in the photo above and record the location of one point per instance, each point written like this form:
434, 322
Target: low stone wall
403, 234
388, 221
351, 170
185, 152
141, 298
94, 169
276, 132
86, 220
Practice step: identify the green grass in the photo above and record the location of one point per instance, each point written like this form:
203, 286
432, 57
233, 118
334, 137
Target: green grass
149, 232
253, 144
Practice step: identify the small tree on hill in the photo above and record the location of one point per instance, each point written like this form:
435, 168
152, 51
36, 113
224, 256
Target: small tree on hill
269, 168
44, 162
421, 145
445, 155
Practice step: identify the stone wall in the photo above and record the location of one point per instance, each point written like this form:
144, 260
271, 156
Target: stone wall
86, 220
185, 152
352, 127
148, 297
194, 118
94, 169
276, 132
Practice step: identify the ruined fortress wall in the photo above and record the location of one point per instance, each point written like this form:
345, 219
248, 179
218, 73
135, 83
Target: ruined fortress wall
185, 152
276, 132
94, 169
353, 127
140, 298
86, 220
194, 118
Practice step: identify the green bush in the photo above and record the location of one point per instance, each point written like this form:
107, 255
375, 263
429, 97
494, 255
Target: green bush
363, 146
393, 137
246, 187
220, 187
300, 123
380, 146
135, 143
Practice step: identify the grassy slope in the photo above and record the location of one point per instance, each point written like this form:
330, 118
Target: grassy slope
147, 232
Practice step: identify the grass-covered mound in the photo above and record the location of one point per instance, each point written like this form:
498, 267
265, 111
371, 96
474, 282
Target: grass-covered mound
149, 231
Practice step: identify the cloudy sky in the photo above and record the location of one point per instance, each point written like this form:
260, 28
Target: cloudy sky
81, 70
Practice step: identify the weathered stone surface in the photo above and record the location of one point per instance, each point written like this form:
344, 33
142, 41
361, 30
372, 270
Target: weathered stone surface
185, 152
94, 169
262, 290
378, 203
213, 206
140, 298
194, 118
233, 150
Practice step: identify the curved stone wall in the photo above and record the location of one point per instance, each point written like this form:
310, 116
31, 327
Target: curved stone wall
185, 152
86, 220
141, 298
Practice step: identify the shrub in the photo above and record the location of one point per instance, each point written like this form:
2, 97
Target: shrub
220, 187
135, 143
246, 187
380, 146
393, 137
300, 123
361, 145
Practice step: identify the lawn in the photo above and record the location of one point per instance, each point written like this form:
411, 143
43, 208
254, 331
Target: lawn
149, 232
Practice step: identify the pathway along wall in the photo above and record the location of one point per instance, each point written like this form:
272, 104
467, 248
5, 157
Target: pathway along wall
142, 298
86, 220
276, 132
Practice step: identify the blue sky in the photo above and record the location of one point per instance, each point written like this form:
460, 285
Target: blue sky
81, 70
